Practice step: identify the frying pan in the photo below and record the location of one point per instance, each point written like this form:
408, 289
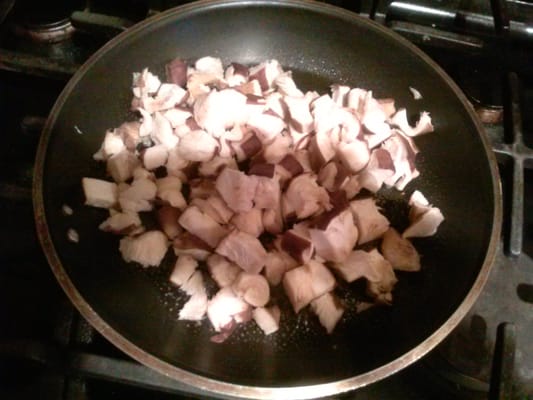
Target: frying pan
137, 309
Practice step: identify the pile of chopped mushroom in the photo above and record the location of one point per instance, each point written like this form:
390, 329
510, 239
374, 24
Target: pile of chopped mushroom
256, 184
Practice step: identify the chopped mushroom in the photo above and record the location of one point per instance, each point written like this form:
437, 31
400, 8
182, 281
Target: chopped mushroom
297, 246
138, 196
276, 264
219, 110
244, 250
222, 271
305, 197
249, 222
155, 157
335, 239
252, 288
306, 283
223, 307
195, 308
400, 252
237, 189
328, 310
372, 266
121, 223
267, 318
202, 226
121, 166
169, 190
147, 249
197, 145
371, 224
188, 244
168, 216
99, 193
183, 270
425, 225
242, 154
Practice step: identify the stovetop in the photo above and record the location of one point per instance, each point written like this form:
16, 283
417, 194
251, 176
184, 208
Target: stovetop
47, 350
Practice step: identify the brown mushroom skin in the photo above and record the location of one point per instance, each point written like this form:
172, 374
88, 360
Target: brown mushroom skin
400, 252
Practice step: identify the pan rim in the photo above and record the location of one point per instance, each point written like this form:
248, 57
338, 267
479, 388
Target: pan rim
223, 388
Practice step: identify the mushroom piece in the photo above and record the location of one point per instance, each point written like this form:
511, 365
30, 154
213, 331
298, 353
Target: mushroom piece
113, 144
197, 145
188, 244
305, 197
147, 249
267, 193
297, 246
276, 264
168, 96
222, 210
371, 224
145, 83
195, 308
266, 73
333, 176
252, 288
307, 282
244, 250
237, 189
219, 110
328, 310
267, 318
138, 196
210, 65
236, 74
184, 267
425, 225
380, 168
273, 220
266, 126
403, 153
324, 111
250, 222
176, 72
334, 237
121, 223
129, 132
154, 157
168, 216
222, 308
163, 133
214, 166
194, 286
321, 149
423, 125
418, 205
121, 166
169, 190
99, 193
286, 85
354, 155
400, 252
247, 147
372, 266
202, 226
222, 271
300, 116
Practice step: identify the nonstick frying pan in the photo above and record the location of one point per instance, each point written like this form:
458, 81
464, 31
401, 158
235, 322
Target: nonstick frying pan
137, 310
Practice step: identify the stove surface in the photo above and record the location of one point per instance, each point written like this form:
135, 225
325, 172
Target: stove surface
48, 351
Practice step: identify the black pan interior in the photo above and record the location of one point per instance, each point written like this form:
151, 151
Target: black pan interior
322, 46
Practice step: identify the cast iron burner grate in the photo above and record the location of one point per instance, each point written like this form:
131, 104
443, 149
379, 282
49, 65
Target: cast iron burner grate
66, 359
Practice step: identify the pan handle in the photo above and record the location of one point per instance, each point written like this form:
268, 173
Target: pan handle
101, 25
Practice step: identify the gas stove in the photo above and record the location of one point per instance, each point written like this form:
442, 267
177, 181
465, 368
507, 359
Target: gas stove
47, 350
